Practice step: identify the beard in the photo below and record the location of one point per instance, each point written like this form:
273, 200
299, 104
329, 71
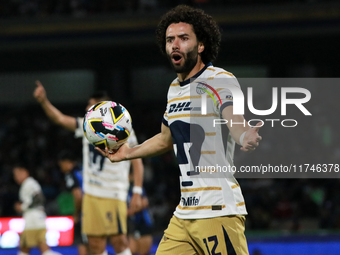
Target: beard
189, 59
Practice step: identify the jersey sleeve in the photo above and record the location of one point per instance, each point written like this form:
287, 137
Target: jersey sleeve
165, 117
79, 130
224, 85
31, 195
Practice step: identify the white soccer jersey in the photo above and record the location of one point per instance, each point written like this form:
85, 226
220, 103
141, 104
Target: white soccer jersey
199, 145
31, 196
101, 177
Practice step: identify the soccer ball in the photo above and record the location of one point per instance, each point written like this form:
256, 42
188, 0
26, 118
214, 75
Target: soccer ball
107, 124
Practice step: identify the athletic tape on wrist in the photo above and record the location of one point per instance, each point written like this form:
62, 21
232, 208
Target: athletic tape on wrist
242, 137
137, 190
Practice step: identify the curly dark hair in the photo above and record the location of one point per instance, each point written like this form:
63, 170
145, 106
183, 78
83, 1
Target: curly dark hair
205, 28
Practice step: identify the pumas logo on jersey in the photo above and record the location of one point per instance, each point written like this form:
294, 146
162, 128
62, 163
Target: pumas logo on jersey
190, 201
203, 88
181, 106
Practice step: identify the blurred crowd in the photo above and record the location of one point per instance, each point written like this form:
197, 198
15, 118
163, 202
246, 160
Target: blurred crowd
81, 8
273, 204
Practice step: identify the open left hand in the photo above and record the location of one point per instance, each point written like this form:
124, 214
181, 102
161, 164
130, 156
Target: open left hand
17, 207
252, 138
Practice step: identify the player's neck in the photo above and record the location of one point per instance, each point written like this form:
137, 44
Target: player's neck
198, 67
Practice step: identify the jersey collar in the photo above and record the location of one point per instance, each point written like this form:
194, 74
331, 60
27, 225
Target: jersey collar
187, 81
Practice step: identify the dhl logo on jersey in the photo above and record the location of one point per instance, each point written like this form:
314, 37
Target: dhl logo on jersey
181, 106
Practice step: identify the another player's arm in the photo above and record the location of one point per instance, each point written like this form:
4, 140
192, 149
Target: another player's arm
51, 111
77, 196
138, 171
17, 207
156, 145
249, 137
144, 205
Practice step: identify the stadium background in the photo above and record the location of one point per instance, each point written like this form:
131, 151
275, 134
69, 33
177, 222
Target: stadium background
76, 47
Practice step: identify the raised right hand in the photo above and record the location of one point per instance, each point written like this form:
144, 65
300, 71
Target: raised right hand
39, 92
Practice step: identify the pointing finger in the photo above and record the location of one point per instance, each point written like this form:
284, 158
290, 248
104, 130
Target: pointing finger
258, 126
38, 83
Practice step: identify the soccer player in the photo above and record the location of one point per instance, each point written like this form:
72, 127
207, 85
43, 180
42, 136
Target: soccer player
73, 177
210, 216
32, 206
105, 185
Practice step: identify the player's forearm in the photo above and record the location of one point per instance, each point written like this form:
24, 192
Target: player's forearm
152, 147
156, 145
51, 111
236, 124
57, 116
77, 198
138, 171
